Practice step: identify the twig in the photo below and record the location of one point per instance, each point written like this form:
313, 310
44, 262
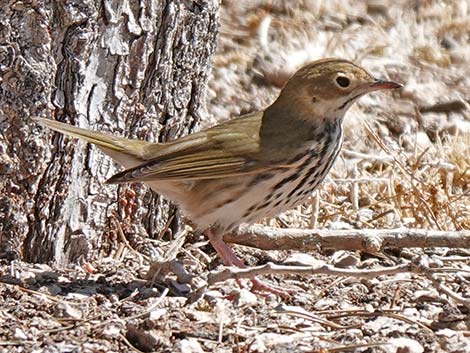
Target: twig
443, 288
151, 308
312, 317
16, 343
359, 155
168, 263
315, 200
136, 316
126, 242
361, 180
350, 347
418, 266
36, 293
369, 240
322, 268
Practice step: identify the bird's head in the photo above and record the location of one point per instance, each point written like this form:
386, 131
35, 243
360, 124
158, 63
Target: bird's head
325, 89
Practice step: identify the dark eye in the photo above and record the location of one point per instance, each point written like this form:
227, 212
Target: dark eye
343, 81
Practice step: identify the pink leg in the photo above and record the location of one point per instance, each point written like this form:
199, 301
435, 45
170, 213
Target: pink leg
230, 258
225, 252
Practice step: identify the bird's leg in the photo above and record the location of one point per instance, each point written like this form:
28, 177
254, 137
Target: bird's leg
229, 258
225, 252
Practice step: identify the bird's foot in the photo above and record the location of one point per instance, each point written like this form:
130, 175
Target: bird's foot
260, 287
230, 259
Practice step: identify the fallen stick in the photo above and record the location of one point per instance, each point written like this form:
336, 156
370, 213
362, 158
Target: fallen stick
418, 266
369, 240
322, 268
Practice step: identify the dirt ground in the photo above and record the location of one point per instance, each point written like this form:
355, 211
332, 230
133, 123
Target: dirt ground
405, 164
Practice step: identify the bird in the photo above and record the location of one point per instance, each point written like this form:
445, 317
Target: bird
251, 167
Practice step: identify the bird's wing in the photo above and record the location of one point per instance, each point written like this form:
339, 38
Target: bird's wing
228, 149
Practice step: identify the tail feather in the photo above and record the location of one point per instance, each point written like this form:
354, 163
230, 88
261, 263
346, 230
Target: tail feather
127, 152
103, 140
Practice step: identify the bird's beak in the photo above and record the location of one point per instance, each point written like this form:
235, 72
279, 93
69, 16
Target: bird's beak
378, 85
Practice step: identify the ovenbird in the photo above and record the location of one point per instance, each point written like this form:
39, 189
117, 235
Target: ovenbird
252, 167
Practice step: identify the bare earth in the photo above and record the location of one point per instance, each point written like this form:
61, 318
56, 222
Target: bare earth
405, 164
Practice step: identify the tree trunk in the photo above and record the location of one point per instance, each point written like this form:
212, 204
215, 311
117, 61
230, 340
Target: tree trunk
132, 68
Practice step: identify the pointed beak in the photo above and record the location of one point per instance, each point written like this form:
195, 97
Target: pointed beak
378, 85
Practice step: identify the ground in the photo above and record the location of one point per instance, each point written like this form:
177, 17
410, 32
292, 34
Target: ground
404, 165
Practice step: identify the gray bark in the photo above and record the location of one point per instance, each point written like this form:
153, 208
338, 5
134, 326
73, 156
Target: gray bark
132, 68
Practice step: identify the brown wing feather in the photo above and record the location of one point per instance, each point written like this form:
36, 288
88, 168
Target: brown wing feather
212, 153
193, 170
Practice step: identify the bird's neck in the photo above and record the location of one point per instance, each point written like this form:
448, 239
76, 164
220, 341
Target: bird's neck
295, 127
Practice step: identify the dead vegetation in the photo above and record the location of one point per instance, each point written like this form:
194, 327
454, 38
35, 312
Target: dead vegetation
405, 164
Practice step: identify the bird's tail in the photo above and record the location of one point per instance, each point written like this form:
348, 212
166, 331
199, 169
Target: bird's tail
127, 152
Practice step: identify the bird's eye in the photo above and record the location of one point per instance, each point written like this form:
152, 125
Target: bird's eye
343, 81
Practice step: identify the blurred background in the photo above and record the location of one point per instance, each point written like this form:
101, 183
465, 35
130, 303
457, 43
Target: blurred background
406, 153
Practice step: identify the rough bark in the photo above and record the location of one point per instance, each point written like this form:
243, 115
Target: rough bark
133, 68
